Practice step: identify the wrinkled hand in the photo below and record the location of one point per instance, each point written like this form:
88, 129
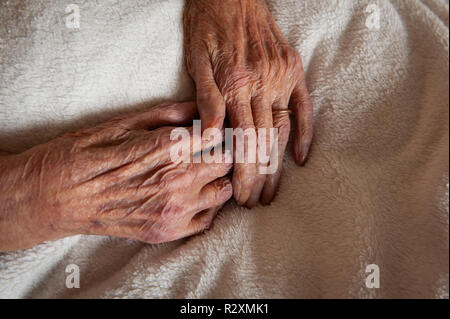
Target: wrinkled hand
115, 179
243, 66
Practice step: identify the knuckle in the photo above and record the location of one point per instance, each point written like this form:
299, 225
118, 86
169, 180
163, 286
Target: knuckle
206, 93
171, 207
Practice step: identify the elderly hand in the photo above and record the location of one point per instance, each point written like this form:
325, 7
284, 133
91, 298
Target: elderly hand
243, 66
115, 179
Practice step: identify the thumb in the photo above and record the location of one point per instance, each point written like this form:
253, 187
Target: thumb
168, 114
175, 114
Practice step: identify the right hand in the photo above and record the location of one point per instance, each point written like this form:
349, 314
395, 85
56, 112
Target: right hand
244, 67
115, 179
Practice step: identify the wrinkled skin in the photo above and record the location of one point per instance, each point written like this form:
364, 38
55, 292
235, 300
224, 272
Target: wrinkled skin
115, 179
244, 68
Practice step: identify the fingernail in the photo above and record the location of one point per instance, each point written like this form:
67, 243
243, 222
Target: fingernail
301, 153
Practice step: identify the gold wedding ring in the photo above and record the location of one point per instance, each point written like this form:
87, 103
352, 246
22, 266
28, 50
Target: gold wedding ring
281, 112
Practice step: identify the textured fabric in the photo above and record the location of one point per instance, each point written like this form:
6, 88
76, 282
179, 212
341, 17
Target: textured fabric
375, 189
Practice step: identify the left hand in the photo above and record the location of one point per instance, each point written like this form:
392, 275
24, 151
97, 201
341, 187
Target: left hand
243, 66
116, 179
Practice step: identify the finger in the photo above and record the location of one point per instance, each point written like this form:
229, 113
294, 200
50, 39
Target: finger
180, 144
140, 154
262, 116
119, 129
282, 123
208, 172
240, 116
176, 114
215, 194
167, 144
155, 151
256, 190
302, 108
211, 105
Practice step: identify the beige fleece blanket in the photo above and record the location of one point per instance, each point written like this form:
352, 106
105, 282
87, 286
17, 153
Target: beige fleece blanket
375, 190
